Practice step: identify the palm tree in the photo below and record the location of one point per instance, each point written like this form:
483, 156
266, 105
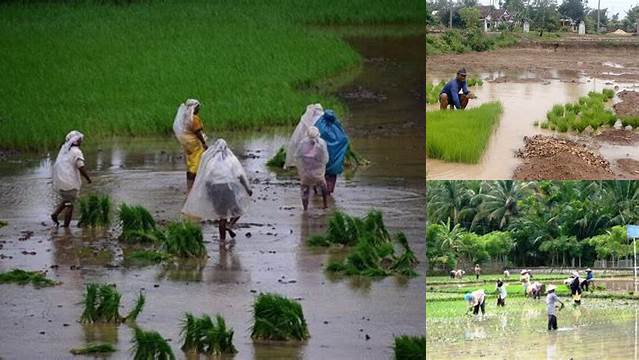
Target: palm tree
499, 202
448, 200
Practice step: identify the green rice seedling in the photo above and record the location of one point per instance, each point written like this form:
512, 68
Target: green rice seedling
22, 277
608, 93
3, 224
278, 160
137, 224
278, 318
101, 303
410, 347
557, 110
461, 136
368, 259
630, 120
544, 125
137, 309
94, 348
404, 264
206, 336
150, 345
184, 239
95, 210
536, 123
475, 81
147, 256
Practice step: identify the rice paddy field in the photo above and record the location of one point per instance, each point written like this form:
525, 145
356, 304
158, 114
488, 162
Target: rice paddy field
603, 326
461, 136
145, 250
121, 69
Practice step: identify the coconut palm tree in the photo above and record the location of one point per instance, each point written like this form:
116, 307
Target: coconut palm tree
499, 202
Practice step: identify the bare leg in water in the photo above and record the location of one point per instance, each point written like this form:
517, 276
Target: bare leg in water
67, 217
190, 179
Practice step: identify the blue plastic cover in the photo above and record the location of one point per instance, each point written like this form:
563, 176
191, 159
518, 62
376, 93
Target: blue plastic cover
336, 141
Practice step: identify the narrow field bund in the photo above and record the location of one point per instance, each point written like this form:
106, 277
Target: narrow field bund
122, 70
461, 136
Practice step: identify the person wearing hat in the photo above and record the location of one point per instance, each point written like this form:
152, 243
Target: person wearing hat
575, 288
590, 278
551, 300
476, 301
450, 94
501, 293
525, 280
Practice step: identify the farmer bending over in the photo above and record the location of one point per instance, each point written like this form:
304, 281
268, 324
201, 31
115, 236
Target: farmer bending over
68, 167
450, 96
476, 301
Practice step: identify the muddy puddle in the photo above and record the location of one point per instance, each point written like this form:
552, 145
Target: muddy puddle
347, 318
593, 331
526, 97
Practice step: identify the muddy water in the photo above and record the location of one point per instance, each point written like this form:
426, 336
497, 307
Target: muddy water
583, 333
525, 100
348, 318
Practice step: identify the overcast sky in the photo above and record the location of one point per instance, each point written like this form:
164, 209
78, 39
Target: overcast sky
614, 6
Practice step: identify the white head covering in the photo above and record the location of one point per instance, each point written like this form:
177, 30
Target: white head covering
308, 119
184, 118
65, 173
313, 132
72, 138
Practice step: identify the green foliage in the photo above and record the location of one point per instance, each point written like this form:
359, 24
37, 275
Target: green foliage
461, 136
470, 17
278, 160
3, 224
206, 336
150, 345
373, 253
589, 111
410, 347
184, 239
95, 210
630, 120
22, 277
147, 256
137, 224
278, 318
101, 303
94, 348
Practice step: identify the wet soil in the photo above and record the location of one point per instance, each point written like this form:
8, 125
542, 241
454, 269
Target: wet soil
349, 317
618, 136
629, 104
553, 158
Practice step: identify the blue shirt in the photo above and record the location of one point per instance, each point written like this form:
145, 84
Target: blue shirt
452, 90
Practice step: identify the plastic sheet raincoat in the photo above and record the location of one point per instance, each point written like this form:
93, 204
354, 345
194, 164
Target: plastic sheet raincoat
311, 157
185, 125
308, 119
66, 173
336, 140
218, 192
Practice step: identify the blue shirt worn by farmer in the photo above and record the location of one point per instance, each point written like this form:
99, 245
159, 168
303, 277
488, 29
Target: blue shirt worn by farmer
451, 89
336, 141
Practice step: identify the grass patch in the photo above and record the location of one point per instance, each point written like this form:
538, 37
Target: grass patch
410, 347
95, 210
206, 336
22, 277
278, 318
94, 348
589, 111
461, 136
101, 303
150, 345
137, 224
184, 239
98, 43
373, 251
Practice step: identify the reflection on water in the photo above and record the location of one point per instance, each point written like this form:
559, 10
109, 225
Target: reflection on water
524, 103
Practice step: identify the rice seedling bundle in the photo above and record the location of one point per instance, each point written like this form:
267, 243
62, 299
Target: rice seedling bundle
588, 111
94, 348
150, 345
278, 318
22, 277
101, 303
461, 136
410, 347
137, 224
206, 336
95, 210
147, 256
351, 160
184, 239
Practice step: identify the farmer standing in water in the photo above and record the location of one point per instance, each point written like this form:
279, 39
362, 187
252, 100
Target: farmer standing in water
189, 132
450, 96
333, 134
551, 300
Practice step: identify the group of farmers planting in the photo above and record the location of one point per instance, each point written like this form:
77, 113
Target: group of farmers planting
218, 187
477, 299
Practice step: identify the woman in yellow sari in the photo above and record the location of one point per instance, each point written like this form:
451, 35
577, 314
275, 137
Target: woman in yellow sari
189, 132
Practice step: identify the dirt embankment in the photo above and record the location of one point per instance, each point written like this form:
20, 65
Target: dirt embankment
565, 63
548, 157
629, 105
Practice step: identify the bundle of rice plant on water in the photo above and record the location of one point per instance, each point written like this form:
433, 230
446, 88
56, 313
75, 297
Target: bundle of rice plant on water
150, 345
278, 318
22, 277
206, 336
101, 304
278, 160
137, 224
184, 239
410, 347
95, 210
146, 256
373, 252
94, 348
351, 160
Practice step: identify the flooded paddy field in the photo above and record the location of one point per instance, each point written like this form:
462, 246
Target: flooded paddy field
348, 317
528, 82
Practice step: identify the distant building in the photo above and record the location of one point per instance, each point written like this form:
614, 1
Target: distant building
493, 18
